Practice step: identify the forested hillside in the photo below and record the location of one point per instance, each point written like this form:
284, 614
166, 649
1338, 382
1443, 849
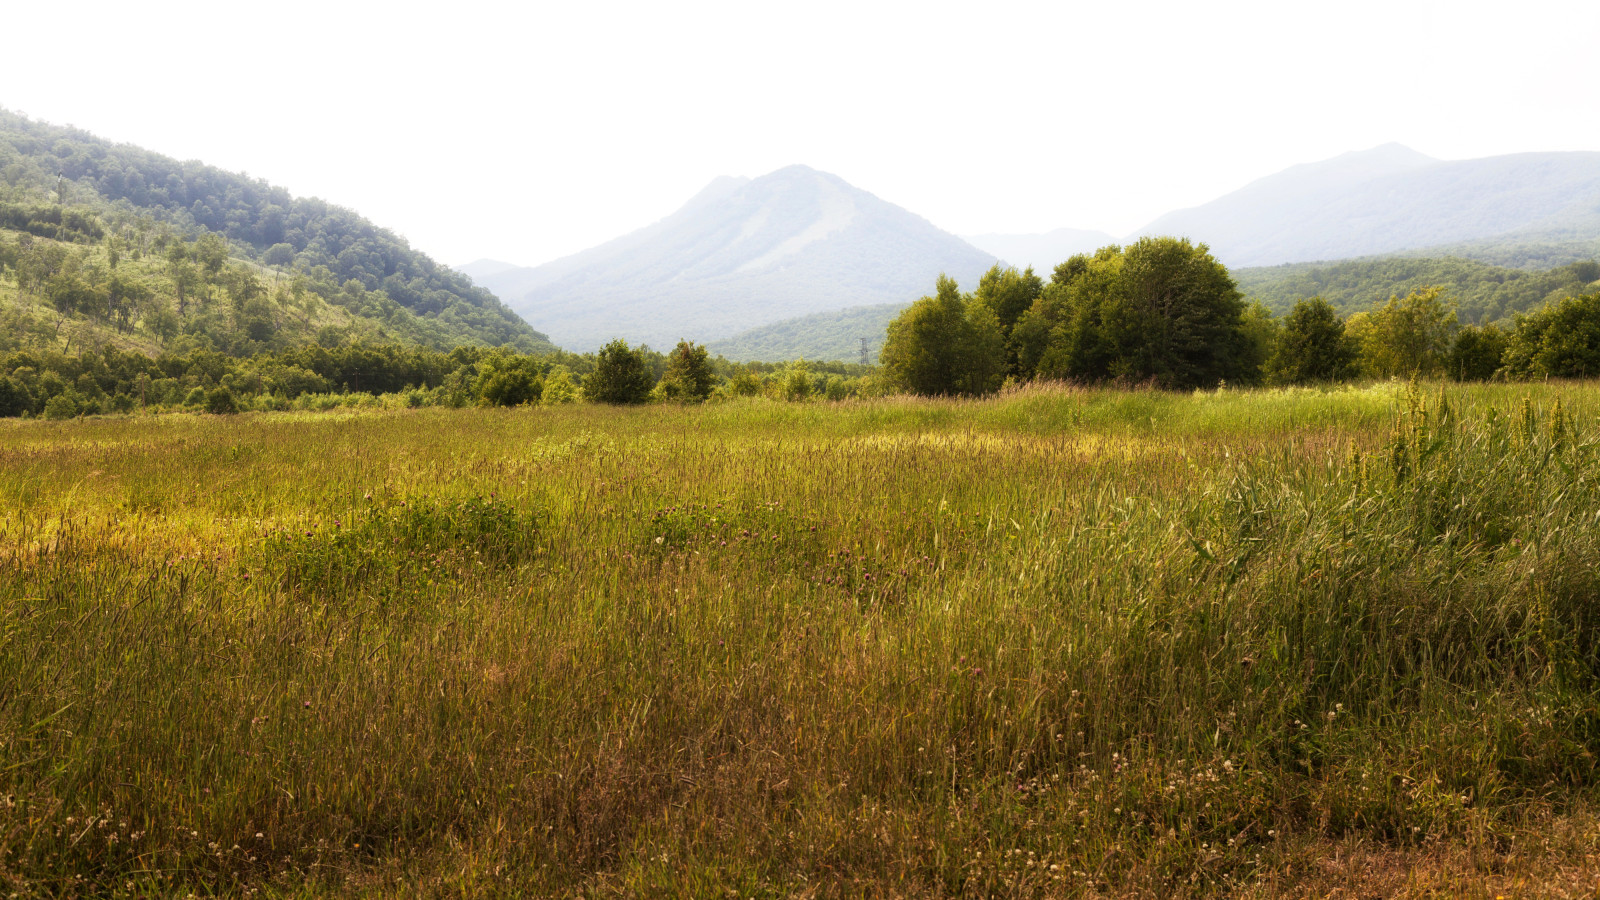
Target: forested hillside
1483, 293
73, 206
833, 335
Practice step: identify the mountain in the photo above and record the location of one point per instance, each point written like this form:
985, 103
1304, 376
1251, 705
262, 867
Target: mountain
1392, 199
376, 285
740, 254
1041, 251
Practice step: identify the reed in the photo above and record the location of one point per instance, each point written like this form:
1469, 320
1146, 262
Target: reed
1064, 642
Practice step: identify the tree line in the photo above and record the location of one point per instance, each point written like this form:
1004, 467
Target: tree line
56, 385
1162, 311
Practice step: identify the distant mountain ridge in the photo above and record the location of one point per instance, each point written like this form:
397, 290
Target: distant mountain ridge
740, 254
1392, 199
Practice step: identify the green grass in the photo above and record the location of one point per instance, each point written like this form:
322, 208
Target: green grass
1059, 643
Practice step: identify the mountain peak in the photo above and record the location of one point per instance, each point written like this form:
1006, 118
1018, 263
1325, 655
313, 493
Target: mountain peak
1387, 199
743, 252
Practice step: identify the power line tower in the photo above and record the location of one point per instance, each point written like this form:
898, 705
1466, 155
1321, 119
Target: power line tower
866, 351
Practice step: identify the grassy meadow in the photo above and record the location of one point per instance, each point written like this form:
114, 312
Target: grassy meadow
1058, 643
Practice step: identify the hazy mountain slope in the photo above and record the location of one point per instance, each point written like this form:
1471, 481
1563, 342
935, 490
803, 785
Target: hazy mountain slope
740, 254
126, 185
1041, 251
826, 336
1391, 199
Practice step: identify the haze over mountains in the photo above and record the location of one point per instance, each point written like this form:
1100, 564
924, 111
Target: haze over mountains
741, 253
1390, 199
798, 262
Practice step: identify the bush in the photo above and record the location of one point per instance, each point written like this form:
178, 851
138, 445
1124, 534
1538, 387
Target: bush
620, 376
62, 406
220, 402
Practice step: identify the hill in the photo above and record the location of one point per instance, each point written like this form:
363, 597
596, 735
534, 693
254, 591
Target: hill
132, 199
741, 254
827, 336
1484, 293
1391, 199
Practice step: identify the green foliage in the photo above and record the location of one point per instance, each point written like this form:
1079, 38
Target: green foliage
834, 335
796, 385
148, 200
1478, 353
620, 376
1162, 311
220, 402
1407, 336
689, 377
509, 380
745, 384
1009, 294
1561, 340
1484, 293
945, 345
559, 388
1313, 347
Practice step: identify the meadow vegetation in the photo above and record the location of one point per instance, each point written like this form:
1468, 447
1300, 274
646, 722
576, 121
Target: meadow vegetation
1058, 642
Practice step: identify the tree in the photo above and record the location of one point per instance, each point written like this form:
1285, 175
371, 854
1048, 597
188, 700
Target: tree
509, 380
278, 256
688, 378
1008, 294
1162, 310
220, 402
945, 345
1562, 340
1312, 347
558, 388
1409, 335
1477, 353
620, 375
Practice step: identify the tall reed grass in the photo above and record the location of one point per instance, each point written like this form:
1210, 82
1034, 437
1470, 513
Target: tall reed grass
1060, 643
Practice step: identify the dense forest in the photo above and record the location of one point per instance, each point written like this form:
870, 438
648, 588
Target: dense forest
1483, 293
1163, 312
61, 184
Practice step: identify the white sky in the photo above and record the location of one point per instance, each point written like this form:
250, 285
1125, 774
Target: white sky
525, 132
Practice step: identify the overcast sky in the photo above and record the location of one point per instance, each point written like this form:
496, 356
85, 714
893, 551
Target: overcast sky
527, 132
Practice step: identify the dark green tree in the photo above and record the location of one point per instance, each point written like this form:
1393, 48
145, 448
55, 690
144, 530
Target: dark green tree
1562, 340
220, 402
509, 380
689, 377
620, 375
945, 345
1009, 294
1477, 353
1312, 347
1162, 311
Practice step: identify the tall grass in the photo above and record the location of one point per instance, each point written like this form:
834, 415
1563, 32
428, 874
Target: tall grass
1059, 643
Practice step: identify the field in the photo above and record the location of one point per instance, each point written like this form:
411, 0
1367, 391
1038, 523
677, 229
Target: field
1058, 643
